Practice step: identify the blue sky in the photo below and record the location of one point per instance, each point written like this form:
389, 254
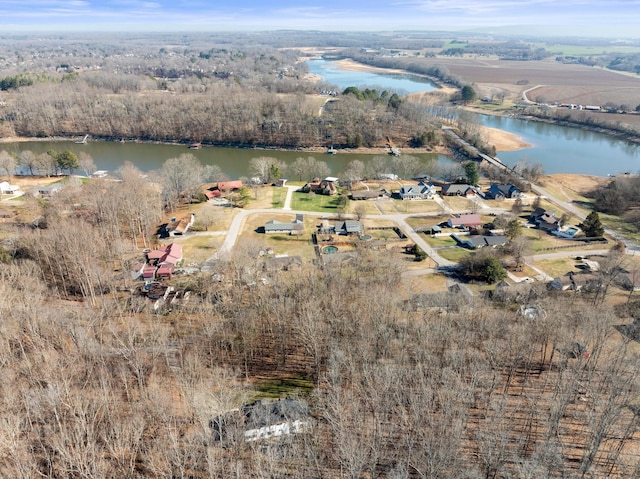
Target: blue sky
617, 18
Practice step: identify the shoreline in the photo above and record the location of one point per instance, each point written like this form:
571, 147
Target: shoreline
502, 140
515, 142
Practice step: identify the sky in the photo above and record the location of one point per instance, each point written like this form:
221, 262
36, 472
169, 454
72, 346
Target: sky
611, 18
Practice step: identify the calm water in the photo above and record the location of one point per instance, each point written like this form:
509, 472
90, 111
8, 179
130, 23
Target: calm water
233, 161
568, 150
399, 82
559, 149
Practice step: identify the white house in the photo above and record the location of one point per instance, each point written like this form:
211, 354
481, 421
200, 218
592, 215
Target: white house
7, 189
423, 191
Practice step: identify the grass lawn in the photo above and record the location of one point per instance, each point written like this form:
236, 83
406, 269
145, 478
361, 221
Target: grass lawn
417, 206
454, 254
281, 243
458, 203
439, 241
620, 226
365, 207
197, 249
317, 203
417, 221
278, 195
389, 207
276, 388
557, 267
526, 272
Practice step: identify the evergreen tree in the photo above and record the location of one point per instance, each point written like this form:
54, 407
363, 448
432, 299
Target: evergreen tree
471, 170
468, 94
592, 226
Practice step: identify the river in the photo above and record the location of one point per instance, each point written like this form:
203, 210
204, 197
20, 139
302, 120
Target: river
562, 149
234, 162
559, 149
401, 83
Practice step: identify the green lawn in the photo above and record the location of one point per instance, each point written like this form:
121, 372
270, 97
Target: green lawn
439, 241
454, 254
318, 203
276, 388
279, 195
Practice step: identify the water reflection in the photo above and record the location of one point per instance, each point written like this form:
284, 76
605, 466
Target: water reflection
234, 162
562, 149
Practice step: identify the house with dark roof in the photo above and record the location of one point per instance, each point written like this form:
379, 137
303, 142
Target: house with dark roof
503, 190
295, 227
477, 241
544, 219
421, 191
49, 190
459, 190
262, 419
576, 282
369, 194
349, 227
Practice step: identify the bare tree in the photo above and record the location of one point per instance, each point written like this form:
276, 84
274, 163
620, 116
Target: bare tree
86, 164
8, 163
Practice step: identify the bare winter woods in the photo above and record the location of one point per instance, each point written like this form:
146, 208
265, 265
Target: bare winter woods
96, 383
212, 92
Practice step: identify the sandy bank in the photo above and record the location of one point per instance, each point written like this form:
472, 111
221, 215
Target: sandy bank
504, 140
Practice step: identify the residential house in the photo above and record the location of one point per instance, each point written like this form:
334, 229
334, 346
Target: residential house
295, 227
262, 419
467, 191
328, 186
349, 227
477, 241
165, 270
161, 262
223, 188
544, 219
49, 190
369, 194
576, 282
499, 191
423, 191
171, 253
520, 293
465, 221
177, 227
7, 189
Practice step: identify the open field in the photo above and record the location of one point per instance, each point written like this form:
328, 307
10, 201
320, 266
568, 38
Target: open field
564, 83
